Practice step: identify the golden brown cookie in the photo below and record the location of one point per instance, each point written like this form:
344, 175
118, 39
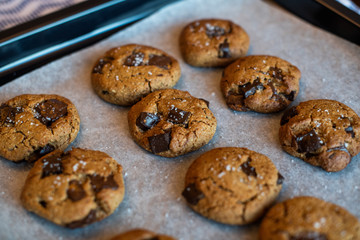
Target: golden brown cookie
127, 73
34, 125
75, 188
141, 234
213, 42
263, 84
232, 185
171, 122
322, 132
308, 218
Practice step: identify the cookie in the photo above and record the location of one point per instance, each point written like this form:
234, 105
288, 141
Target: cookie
213, 42
308, 218
75, 188
34, 125
322, 132
232, 185
141, 234
263, 84
171, 122
127, 73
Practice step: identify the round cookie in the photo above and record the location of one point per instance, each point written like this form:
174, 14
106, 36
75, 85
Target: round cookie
127, 73
232, 185
34, 125
141, 234
322, 132
75, 188
171, 122
213, 42
263, 84
308, 218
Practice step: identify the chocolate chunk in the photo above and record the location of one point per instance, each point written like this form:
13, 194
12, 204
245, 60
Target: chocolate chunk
90, 218
101, 63
160, 143
146, 120
288, 114
290, 96
192, 194
247, 169
249, 89
224, 50
99, 182
75, 191
276, 73
105, 92
214, 31
43, 203
309, 236
206, 102
178, 116
135, 59
160, 61
280, 179
308, 142
350, 130
7, 114
50, 110
52, 165
42, 151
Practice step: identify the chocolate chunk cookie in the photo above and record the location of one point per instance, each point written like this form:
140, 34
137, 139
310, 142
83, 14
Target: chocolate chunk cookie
324, 133
308, 218
34, 125
232, 185
75, 188
141, 234
263, 84
213, 42
126, 74
171, 122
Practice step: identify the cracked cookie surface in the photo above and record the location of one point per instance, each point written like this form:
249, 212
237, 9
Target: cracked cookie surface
309, 218
127, 73
141, 234
213, 42
171, 122
232, 185
75, 188
263, 84
322, 132
34, 125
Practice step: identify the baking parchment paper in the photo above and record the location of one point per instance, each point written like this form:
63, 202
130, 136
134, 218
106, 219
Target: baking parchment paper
330, 69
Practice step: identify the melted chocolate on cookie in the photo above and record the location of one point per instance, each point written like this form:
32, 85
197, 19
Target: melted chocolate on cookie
249, 89
135, 59
50, 110
7, 114
178, 116
101, 63
90, 218
52, 165
99, 182
75, 191
160, 61
288, 114
224, 50
192, 194
308, 142
247, 169
146, 120
160, 143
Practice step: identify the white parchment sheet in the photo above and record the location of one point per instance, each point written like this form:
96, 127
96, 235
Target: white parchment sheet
330, 69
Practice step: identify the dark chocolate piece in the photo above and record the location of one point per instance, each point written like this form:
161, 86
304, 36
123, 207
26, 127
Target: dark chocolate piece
224, 50
135, 59
309, 236
247, 169
280, 179
7, 114
52, 165
160, 61
350, 130
99, 182
43, 203
38, 153
160, 143
146, 120
249, 89
101, 63
290, 96
50, 110
308, 142
90, 218
104, 92
178, 116
214, 31
75, 191
192, 194
288, 114
276, 73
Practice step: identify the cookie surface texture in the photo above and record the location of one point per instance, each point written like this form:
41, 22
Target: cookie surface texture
213, 42
127, 73
322, 132
75, 188
308, 218
171, 122
263, 84
141, 234
232, 185
34, 125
